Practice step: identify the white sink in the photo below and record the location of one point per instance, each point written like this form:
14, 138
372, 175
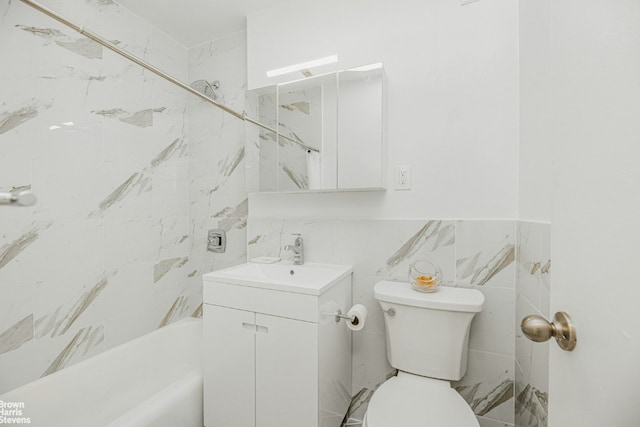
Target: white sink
309, 278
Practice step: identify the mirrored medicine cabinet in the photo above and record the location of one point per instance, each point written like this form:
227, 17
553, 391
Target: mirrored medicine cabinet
329, 133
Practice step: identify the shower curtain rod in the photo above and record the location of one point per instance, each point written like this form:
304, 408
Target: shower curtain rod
96, 38
18, 198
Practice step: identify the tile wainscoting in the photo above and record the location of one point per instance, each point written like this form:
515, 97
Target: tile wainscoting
477, 254
532, 297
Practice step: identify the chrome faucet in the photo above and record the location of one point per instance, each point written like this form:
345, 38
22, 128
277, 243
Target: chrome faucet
298, 250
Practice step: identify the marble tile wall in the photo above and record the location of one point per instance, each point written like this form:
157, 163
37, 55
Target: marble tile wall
532, 297
217, 156
105, 254
475, 254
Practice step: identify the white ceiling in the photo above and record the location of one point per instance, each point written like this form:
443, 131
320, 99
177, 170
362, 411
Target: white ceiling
192, 22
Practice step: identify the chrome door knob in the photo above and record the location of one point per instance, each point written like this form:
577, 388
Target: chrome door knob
539, 329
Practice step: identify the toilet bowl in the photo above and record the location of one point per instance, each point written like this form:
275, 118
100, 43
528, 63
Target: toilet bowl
413, 401
427, 341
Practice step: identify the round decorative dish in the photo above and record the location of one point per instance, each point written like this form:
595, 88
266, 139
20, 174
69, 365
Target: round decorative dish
425, 276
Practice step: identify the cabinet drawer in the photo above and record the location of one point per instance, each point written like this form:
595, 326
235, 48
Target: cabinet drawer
267, 301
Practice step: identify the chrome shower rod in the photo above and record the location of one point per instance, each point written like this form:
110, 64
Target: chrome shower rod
96, 38
18, 198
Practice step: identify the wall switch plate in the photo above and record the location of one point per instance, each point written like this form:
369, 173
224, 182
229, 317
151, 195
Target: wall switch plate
217, 241
403, 177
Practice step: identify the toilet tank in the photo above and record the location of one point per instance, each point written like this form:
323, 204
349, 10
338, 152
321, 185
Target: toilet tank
429, 333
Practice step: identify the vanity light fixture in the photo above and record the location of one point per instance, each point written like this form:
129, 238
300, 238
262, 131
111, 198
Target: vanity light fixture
303, 66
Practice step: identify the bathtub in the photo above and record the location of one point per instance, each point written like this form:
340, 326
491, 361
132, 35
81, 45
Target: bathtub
152, 381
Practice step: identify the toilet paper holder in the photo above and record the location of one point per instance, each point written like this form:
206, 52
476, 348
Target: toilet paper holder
339, 316
353, 319
356, 317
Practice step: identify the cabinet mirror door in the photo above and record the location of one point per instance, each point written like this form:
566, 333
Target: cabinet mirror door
326, 133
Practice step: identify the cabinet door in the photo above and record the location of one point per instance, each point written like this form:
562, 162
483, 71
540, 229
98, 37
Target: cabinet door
229, 369
286, 372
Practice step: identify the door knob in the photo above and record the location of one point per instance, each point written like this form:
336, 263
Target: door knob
539, 329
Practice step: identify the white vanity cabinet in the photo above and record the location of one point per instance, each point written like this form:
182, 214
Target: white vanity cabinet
261, 365
274, 357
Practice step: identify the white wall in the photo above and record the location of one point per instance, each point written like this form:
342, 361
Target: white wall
452, 99
535, 190
534, 212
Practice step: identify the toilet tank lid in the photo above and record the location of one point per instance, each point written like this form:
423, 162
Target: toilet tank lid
445, 298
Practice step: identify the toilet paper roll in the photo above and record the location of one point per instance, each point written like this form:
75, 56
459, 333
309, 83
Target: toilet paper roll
359, 313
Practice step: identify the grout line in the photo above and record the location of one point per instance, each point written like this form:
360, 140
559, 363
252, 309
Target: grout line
494, 353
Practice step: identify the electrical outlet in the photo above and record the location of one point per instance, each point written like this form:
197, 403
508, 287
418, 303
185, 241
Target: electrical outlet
403, 177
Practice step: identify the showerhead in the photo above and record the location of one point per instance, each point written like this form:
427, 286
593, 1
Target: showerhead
206, 88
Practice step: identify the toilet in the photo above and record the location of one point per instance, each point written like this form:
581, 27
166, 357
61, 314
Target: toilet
427, 341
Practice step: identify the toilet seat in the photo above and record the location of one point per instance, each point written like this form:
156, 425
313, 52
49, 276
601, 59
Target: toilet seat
413, 401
